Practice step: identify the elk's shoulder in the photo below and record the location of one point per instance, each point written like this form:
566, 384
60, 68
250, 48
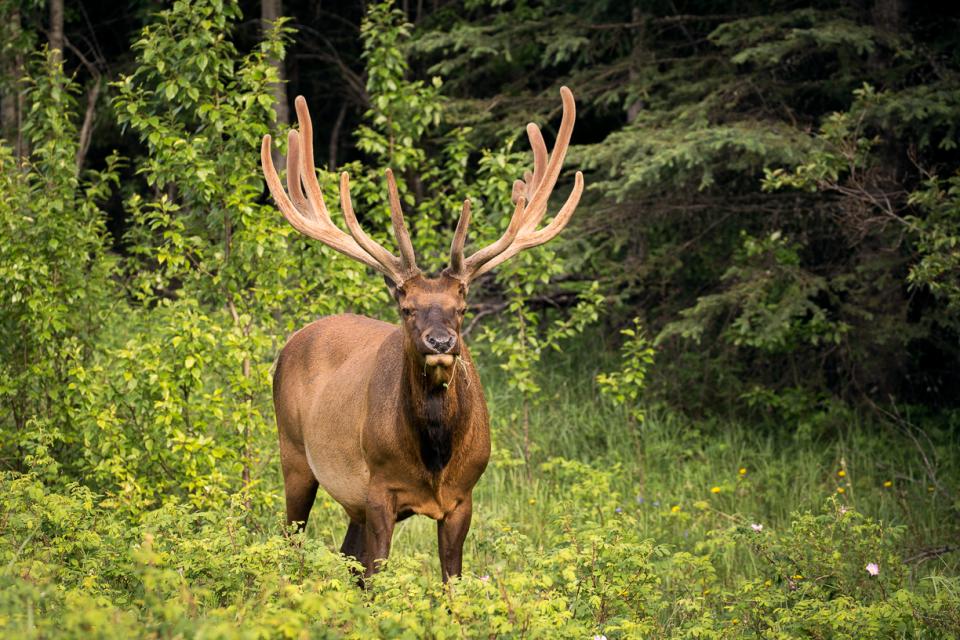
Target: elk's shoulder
335, 339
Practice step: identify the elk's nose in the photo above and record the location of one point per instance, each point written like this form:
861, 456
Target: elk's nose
441, 342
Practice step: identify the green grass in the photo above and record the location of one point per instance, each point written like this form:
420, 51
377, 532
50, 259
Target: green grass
666, 468
615, 528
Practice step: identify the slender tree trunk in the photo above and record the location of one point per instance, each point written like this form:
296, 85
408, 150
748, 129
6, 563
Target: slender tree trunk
888, 14
22, 147
56, 30
335, 136
270, 11
638, 50
12, 72
245, 447
86, 131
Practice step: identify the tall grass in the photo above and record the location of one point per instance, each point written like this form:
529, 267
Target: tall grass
685, 478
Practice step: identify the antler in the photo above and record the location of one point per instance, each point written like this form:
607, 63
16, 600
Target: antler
534, 189
309, 215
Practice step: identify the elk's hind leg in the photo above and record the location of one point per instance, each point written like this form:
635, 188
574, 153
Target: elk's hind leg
299, 487
353, 542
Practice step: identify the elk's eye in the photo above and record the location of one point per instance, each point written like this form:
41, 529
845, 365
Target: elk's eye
407, 313
461, 311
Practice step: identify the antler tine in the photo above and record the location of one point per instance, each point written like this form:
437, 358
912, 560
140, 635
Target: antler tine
537, 187
308, 172
501, 245
309, 215
538, 203
400, 234
519, 191
539, 159
542, 236
294, 188
459, 239
294, 216
369, 245
334, 238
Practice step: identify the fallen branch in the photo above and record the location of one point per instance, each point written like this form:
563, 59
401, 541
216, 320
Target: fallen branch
930, 554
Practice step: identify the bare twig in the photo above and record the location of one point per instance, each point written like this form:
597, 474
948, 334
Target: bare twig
335, 136
930, 554
482, 312
86, 130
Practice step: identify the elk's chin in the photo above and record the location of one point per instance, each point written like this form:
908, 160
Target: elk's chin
439, 360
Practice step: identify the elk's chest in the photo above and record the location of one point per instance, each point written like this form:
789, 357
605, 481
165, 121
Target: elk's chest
433, 497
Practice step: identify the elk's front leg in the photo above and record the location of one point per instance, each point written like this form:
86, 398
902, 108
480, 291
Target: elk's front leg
451, 532
381, 516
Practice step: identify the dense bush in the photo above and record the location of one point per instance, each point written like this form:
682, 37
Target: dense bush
74, 569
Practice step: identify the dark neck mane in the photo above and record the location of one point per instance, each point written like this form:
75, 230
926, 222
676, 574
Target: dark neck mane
435, 411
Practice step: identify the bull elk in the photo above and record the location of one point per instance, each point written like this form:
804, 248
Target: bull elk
391, 420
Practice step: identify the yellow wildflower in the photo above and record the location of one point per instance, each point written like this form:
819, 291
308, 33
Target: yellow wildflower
888, 484
842, 473
743, 471
675, 508
841, 490
714, 489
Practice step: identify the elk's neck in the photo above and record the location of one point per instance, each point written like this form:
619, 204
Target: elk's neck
437, 409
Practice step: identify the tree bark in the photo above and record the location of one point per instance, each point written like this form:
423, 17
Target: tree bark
12, 100
270, 11
12, 72
638, 51
335, 137
86, 131
888, 15
56, 30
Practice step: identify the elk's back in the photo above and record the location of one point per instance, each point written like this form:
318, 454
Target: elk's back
320, 396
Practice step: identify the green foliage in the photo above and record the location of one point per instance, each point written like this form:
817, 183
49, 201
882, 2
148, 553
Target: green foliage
771, 299
767, 41
938, 242
521, 342
73, 568
54, 269
403, 111
848, 154
706, 125
624, 386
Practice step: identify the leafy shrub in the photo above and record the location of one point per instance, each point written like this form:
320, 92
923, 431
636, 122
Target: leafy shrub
76, 568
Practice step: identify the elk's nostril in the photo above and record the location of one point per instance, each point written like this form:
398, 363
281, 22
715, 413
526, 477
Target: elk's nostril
441, 344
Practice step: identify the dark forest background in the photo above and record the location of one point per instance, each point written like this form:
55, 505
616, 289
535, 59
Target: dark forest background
771, 185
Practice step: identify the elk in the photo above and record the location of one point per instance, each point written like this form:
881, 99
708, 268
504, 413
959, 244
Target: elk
391, 420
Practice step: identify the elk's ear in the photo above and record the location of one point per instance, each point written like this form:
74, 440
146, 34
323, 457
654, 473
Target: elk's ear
392, 287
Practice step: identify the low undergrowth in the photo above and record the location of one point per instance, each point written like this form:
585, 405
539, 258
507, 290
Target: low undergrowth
663, 529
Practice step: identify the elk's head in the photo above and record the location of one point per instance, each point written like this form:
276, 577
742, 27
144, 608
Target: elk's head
431, 308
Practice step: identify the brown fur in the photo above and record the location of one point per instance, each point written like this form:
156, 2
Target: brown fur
360, 413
